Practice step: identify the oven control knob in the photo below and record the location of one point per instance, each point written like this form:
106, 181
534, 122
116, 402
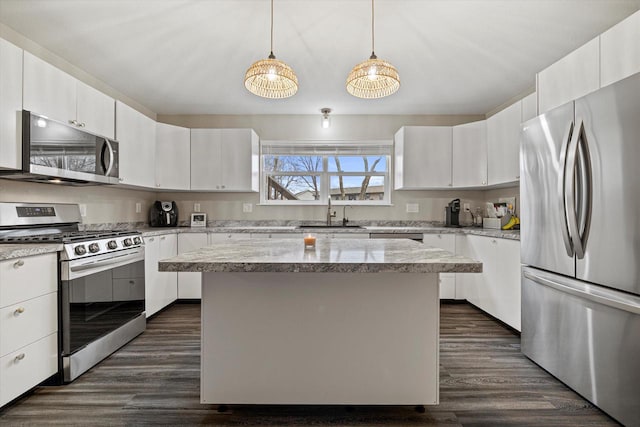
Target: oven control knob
112, 244
137, 240
80, 250
94, 247
127, 242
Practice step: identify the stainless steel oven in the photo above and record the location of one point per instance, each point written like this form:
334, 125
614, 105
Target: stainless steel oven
102, 307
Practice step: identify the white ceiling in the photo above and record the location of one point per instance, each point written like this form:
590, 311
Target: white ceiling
190, 56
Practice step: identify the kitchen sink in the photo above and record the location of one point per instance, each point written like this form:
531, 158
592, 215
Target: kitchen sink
330, 226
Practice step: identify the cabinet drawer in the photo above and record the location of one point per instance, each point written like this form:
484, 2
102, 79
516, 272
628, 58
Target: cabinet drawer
27, 367
26, 278
27, 322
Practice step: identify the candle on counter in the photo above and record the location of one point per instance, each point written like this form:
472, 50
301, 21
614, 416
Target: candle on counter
310, 241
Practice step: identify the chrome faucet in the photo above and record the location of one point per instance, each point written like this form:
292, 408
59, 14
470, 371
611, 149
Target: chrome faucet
329, 213
345, 220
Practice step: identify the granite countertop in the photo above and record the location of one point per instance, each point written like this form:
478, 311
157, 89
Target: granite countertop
329, 255
488, 232
18, 250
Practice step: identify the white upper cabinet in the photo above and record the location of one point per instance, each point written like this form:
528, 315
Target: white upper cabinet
573, 76
529, 107
470, 155
95, 111
52, 92
503, 145
173, 157
136, 134
422, 157
10, 105
224, 160
620, 50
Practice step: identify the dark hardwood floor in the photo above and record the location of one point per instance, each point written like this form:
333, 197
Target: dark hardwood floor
154, 380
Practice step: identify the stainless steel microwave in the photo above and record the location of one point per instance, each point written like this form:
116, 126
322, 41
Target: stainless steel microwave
55, 152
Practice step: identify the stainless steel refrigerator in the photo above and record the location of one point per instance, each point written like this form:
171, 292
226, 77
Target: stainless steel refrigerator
580, 236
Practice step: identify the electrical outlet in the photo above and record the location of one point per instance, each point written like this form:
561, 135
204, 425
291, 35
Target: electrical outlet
247, 207
138, 207
466, 206
196, 207
83, 209
413, 208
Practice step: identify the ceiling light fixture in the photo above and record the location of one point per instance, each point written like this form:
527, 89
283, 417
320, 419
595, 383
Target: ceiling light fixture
271, 78
373, 78
325, 122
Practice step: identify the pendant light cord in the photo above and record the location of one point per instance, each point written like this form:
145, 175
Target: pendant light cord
271, 51
372, 31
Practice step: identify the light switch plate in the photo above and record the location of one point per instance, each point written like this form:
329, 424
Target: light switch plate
413, 208
138, 207
247, 207
466, 207
83, 209
196, 207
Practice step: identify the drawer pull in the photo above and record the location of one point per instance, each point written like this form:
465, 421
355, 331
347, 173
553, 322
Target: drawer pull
19, 357
18, 264
18, 311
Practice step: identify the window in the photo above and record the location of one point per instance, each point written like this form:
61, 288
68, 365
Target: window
307, 173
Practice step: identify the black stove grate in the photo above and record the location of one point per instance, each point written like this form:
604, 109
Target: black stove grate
29, 236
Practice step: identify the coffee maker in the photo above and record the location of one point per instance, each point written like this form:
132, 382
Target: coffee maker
452, 214
163, 214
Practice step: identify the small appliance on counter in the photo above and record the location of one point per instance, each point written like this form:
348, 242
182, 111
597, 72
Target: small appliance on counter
163, 214
452, 214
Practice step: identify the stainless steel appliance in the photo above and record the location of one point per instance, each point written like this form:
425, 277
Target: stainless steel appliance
163, 214
581, 246
102, 281
55, 152
452, 214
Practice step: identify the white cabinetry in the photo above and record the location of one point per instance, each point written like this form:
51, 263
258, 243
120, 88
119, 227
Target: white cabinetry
620, 50
173, 157
529, 107
59, 96
422, 157
503, 145
28, 323
573, 76
447, 280
161, 288
10, 105
224, 160
497, 289
470, 155
189, 283
136, 134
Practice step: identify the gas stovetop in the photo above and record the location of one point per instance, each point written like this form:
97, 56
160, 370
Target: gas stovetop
59, 223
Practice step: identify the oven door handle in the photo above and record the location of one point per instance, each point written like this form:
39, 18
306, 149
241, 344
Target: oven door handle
81, 268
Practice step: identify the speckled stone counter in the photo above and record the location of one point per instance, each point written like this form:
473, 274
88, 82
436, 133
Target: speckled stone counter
360, 326
329, 255
11, 250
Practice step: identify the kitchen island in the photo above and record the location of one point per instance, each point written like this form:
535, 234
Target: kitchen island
353, 321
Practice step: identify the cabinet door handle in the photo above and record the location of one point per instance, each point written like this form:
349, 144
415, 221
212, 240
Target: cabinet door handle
151, 239
19, 357
18, 264
73, 122
163, 238
494, 241
81, 125
18, 311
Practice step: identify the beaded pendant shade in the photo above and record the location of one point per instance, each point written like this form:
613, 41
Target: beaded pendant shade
373, 78
271, 78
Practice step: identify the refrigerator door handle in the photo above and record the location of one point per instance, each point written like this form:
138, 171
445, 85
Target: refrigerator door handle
585, 189
598, 294
562, 190
570, 179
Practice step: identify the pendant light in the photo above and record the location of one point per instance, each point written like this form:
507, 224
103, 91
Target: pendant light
325, 121
373, 78
271, 78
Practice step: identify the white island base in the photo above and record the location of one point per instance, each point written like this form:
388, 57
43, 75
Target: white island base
320, 338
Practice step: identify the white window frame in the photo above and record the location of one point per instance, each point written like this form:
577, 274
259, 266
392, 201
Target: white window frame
327, 149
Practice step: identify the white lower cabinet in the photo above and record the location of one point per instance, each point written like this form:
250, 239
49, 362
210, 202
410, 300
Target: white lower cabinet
447, 280
161, 288
28, 323
497, 289
189, 283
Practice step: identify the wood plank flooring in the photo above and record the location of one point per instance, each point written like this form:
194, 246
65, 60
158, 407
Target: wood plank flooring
154, 380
